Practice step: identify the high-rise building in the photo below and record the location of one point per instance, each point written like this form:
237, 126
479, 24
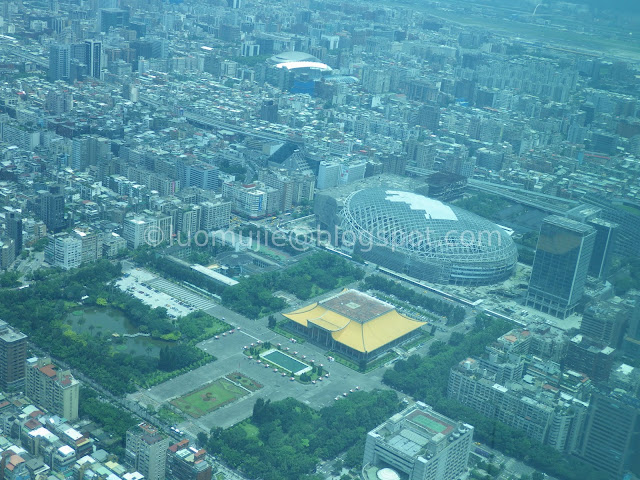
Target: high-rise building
13, 354
215, 215
553, 418
589, 357
147, 229
631, 342
611, 437
52, 208
605, 322
560, 265
187, 463
53, 389
247, 200
606, 234
64, 251
421, 443
429, 116
91, 244
93, 57
14, 230
146, 451
113, 18
606, 237
194, 173
7, 253
59, 62
269, 111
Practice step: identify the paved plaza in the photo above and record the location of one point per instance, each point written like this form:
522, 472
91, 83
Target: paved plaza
228, 350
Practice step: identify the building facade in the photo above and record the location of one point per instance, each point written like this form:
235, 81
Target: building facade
13, 354
146, 451
560, 266
53, 389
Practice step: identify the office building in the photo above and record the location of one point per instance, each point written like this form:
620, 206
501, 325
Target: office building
611, 438
269, 111
589, 357
7, 253
606, 234
445, 186
194, 173
53, 389
147, 229
249, 201
64, 251
605, 322
146, 451
331, 174
113, 18
560, 265
631, 342
13, 354
59, 62
91, 244
14, 230
52, 209
215, 216
420, 443
187, 463
93, 57
605, 241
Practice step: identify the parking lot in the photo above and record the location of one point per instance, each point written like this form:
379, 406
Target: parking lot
184, 295
139, 282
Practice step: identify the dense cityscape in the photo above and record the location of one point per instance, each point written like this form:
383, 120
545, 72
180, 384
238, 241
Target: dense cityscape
319, 240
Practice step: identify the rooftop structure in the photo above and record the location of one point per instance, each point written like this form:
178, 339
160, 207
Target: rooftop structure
354, 323
421, 443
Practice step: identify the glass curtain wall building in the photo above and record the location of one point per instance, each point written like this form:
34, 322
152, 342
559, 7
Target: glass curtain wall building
560, 265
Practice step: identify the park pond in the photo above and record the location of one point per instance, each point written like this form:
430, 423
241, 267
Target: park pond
108, 321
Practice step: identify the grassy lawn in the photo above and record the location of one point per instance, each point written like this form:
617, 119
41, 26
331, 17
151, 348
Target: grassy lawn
216, 328
251, 430
170, 416
209, 398
245, 381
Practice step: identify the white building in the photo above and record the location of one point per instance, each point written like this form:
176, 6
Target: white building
215, 216
64, 251
420, 443
246, 200
147, 229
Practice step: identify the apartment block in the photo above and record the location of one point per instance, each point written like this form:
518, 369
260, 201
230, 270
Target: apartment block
53, 389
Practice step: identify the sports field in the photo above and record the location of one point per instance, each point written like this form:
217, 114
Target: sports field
209, 398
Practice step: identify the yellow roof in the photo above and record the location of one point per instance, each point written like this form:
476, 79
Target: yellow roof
363, 337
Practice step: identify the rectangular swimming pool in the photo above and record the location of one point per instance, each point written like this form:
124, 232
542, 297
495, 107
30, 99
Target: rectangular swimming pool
284, 361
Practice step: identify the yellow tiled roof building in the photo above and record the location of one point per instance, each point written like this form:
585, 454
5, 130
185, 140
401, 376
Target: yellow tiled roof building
354, 324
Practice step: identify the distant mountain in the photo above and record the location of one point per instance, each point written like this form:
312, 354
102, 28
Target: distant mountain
622, 6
